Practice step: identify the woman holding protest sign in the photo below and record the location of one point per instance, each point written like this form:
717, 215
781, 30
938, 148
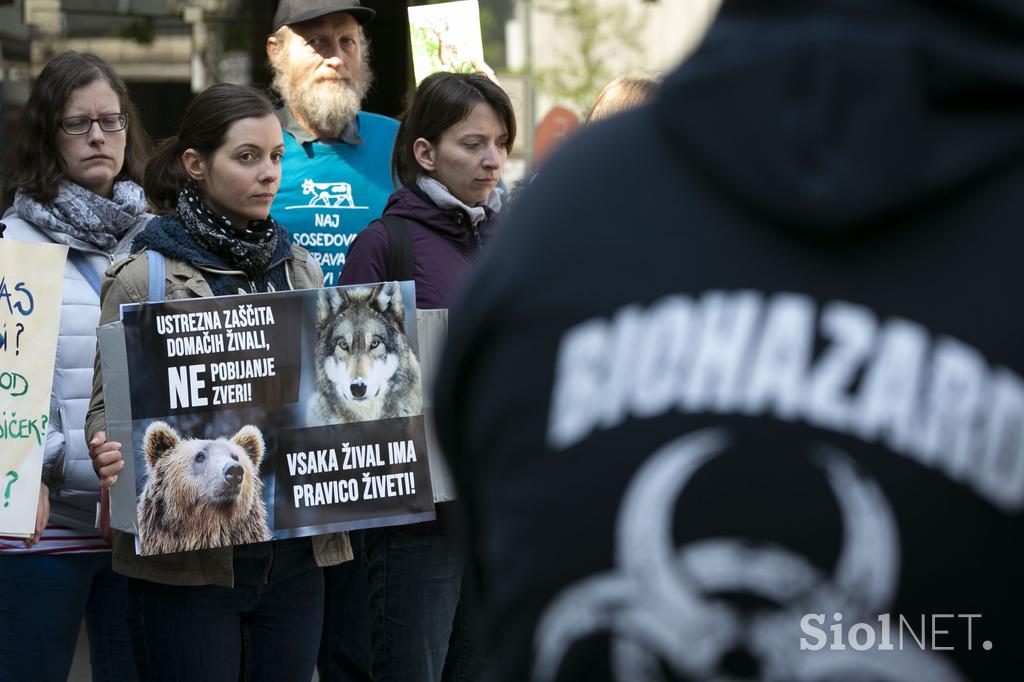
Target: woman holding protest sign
253, 611
72, 178
449, 153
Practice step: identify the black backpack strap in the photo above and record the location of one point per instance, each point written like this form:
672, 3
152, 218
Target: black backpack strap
400, 254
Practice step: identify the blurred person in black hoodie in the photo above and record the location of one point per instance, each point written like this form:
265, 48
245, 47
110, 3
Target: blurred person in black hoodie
747, 403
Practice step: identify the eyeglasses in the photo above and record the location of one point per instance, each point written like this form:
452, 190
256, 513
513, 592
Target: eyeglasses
80, 125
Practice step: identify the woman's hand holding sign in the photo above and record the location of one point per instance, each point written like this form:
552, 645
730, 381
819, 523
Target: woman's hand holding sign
106, 458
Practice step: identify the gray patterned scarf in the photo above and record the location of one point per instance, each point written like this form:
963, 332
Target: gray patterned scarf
85, 215
248, 249
443, 198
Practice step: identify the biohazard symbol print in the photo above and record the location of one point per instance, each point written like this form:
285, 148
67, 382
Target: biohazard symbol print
662, 605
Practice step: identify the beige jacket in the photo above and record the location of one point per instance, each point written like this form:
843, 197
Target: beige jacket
128, 282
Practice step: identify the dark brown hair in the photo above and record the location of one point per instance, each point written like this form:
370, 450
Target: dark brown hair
34, 166
441, 101
203, 128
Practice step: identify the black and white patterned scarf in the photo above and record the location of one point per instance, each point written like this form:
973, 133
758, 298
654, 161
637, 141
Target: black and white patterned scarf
247, 249
85, 215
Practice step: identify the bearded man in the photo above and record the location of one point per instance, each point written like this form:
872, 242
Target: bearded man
335, 180
336, 172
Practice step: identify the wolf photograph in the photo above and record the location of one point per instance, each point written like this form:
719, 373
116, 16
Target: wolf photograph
365, 365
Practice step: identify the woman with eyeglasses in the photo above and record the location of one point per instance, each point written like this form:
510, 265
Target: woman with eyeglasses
72, 177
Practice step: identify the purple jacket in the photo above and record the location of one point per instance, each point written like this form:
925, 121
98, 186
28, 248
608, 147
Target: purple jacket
444, 243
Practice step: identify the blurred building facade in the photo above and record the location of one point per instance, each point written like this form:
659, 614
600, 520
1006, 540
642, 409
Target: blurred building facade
166, 50
548, 53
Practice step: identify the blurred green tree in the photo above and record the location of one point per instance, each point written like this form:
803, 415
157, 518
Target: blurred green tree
602, 41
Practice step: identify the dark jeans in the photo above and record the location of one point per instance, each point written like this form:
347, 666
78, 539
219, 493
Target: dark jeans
421, 627
265, 628
346, 651
44, 601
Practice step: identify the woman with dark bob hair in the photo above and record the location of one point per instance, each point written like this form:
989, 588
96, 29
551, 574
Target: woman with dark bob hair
449, 153
72, 177
253, 611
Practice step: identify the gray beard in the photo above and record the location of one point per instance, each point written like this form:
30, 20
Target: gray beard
325, 107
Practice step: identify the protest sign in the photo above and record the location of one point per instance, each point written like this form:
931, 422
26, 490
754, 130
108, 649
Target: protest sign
446, 37
31, 283
271, 416
432, 328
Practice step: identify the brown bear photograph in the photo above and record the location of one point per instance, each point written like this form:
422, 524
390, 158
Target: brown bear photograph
201, 493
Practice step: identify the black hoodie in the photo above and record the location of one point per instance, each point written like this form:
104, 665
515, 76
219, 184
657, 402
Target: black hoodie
736, 393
